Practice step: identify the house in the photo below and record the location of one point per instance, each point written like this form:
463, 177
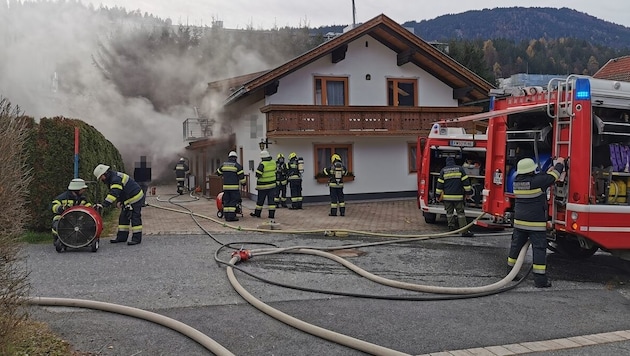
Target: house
366, 95
615, 69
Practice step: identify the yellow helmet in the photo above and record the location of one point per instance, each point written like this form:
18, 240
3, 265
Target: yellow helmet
335, 157
280, 155
292, 155
526, 165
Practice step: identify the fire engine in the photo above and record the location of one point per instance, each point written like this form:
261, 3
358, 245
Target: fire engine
585, 120
468, 150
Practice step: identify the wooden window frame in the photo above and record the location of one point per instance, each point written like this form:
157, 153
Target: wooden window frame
394, 82
412, 161
324, 95
332, 147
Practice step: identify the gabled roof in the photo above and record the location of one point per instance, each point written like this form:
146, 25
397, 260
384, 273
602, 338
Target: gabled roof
467, 86
615, 69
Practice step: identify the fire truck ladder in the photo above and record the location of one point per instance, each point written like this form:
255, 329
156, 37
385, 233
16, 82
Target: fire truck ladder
563, 118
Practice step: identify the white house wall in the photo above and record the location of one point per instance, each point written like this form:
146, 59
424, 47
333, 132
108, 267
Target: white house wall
376, 60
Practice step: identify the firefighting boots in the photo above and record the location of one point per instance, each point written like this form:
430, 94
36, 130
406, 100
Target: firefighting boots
333, 212
541, 281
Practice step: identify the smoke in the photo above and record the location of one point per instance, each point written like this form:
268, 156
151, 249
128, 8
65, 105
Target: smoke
98, 65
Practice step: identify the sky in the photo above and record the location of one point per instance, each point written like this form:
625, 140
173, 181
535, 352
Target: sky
265, 14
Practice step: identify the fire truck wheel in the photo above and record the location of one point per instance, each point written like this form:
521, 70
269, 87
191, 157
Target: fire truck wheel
572, 249
429, 218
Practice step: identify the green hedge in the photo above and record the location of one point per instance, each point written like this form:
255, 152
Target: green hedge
51, 157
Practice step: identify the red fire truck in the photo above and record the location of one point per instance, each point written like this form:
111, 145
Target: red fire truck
585, 120
469, 151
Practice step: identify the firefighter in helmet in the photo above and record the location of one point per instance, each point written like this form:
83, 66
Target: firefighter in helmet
453, 185
295, 168
181, 170
128, 196
74, 196
335, 174
281, 182
530, 215
265, 185
233, 175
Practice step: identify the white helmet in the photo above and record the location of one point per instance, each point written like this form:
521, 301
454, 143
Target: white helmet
232, 154
100, 170
264, 154
182, 159
526, 165
77, 184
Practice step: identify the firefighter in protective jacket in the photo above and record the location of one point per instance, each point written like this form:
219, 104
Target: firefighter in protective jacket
281, 182
74, 196
294, 174
128, 196
181, 170
335, 174
233, 175
453, 186
530, 215
265, 185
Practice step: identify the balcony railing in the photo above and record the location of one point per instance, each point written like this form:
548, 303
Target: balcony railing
314, 120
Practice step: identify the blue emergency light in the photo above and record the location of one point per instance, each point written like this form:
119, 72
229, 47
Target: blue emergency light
582, 89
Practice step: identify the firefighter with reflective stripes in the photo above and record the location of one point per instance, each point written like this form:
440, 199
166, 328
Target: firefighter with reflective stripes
128, 196
295, 168
181, 170
74, 196
265, 185
335, 174
233, 175
530, 215
281, 182
452, 187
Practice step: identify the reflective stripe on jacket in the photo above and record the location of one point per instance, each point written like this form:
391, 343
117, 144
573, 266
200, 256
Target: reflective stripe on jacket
232, 173
453, 183
122, 188
266, 174
530, 190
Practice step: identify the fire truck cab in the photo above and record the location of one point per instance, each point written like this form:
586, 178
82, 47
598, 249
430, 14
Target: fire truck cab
468, 150
587, 122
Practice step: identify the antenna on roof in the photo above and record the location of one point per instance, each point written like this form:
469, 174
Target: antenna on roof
354, 15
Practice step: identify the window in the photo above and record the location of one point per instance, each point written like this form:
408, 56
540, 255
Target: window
323, 153
412, 154
402, 92
331, 91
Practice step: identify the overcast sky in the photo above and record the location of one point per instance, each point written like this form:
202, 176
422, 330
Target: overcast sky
269, 13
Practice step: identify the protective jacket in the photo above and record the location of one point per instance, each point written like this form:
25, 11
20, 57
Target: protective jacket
453, 183
293, 171
266, 174
530, 190
281, 172
232, 173
181, 169
122, 188
68, 199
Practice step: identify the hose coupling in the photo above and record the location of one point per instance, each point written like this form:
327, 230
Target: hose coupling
242, 255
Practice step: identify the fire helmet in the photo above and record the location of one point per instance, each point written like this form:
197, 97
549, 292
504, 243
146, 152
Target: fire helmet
264, 154
280, 155
526, 165
182, 159
335, 157
232, 154
292, 155
77, 184
100, 170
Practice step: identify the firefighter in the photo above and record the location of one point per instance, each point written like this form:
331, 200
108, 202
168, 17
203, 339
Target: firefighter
294, 170
530, 215
281, 182
452, 185
74, 196
335, 174
233, 175
128, 196
265, 185
181, 170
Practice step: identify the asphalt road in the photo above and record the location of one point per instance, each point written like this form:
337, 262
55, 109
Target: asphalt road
177, 276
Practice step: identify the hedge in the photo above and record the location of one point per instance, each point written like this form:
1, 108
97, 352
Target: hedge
51, 157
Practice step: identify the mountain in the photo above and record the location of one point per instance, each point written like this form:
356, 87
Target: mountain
518, 24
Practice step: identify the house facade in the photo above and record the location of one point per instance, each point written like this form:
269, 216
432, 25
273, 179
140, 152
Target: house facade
366, 95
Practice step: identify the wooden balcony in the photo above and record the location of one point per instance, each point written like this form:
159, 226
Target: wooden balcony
314, 120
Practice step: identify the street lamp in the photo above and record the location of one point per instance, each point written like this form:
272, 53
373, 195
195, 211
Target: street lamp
264, 144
